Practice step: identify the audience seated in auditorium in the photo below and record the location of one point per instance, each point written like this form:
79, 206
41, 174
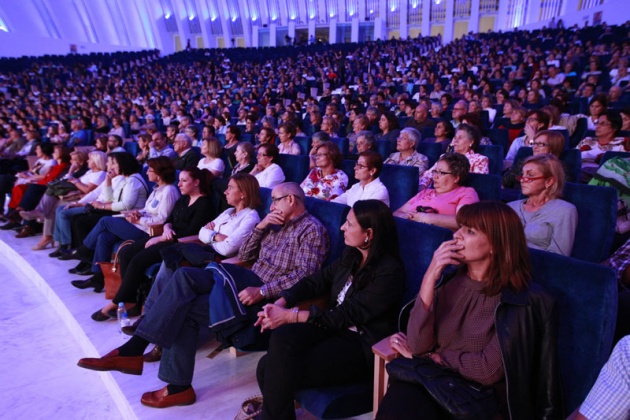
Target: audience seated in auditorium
407, 154
366, 171
267, 172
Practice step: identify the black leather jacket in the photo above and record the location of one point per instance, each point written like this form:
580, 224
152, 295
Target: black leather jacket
526, 327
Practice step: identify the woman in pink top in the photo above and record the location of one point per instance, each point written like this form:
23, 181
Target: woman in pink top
439, 205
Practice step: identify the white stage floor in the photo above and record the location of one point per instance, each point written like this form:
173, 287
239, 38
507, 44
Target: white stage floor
46, 328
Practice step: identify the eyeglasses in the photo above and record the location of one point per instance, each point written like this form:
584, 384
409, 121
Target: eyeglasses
603, 123
528, 179
275, 200
435, 172
262, 155
321, 154
358, 165
539, 144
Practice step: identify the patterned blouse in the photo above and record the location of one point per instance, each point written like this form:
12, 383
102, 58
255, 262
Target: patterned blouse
325, 187
416, 159
292, 148
478, 165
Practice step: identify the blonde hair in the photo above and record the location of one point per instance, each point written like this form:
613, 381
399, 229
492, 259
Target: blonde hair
551, 167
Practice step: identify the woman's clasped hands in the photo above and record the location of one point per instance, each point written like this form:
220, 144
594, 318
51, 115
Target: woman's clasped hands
273, 315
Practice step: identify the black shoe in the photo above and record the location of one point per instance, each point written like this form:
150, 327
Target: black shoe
57, 252
69, 254
82, 269
131, 330
100, 317
96, 281
11, 225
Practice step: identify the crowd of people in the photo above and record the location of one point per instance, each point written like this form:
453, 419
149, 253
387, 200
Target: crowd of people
96, 152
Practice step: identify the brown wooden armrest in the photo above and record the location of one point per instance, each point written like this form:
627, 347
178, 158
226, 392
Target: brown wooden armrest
384, 350
383, 353
156, 229
194, 239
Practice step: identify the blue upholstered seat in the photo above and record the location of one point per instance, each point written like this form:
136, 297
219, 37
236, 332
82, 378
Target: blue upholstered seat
305, 144
342, 143
488, 187
401, 182
499, 137
495, 156
432, 151
597, 216
332, 216
295, 167
586, 298
384, 148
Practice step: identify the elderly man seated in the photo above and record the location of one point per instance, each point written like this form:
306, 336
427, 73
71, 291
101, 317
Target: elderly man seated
186, 155
288, 244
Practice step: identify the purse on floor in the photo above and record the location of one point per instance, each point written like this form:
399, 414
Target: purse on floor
462, 398
111, 272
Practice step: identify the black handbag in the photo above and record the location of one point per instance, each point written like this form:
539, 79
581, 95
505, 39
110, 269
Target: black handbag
460, 397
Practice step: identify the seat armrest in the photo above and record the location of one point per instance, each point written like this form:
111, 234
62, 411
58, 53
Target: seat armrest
156, 229
383, 354
384, 350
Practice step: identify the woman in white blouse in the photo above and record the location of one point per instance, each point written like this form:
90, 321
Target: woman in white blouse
266, 171
366, 171
211, 150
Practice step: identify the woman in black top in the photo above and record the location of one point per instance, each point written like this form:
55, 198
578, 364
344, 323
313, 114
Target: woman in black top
333, 347
192, 211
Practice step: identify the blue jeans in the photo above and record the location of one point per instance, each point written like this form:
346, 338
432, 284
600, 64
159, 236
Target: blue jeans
63, 229
107, 232
162, 278
178, 314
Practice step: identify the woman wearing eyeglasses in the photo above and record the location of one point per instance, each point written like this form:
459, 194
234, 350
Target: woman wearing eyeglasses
439, 205
549, 222
366, 171
266, 171
545, 142
326, 181
592, 148
535, 122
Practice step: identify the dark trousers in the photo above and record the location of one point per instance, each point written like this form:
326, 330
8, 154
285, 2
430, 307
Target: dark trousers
304, 356
83, 223
6, 185
406, 401
31, 196
134, 260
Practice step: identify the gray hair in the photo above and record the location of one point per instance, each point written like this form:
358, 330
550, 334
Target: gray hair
321, 136
369, 137
413, 134
185, 137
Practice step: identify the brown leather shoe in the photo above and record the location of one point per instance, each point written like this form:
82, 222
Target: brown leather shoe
112, 361
154, 355
161, 399
25, 232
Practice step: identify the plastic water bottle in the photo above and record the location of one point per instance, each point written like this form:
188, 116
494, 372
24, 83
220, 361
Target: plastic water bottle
123, 319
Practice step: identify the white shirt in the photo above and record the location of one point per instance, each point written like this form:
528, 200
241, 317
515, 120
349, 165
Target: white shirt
375, 190
96, 192
236, 226
158, 206
270, 177
93, 177
216, 166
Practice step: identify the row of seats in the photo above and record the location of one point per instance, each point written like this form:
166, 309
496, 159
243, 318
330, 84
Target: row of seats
586, 296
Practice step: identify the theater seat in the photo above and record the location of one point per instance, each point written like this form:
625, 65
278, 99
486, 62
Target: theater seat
432, 151
597, 217
401, 183
495, 156
488, 187
295, 167
332, 216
